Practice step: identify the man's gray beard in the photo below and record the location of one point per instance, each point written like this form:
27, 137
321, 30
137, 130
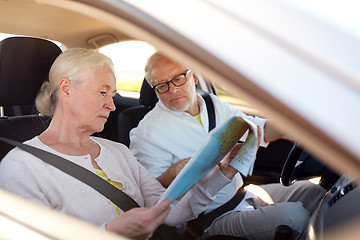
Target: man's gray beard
186, 106
184, 109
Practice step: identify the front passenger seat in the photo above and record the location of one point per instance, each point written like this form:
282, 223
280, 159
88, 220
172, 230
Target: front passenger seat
24, 65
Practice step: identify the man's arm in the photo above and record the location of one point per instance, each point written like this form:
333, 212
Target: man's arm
271, 133
169, 175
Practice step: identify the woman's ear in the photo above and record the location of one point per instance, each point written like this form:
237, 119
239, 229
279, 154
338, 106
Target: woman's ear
64, 88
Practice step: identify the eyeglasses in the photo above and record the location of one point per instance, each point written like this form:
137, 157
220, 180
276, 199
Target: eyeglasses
177, 81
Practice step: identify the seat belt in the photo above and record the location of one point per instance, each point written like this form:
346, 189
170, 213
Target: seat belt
197, 226
115, 195
210, 110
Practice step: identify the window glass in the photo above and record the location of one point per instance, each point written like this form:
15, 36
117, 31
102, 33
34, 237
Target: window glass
224, 94
129, 60
5, 35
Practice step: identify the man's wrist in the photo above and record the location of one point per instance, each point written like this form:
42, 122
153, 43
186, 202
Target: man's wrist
227, 170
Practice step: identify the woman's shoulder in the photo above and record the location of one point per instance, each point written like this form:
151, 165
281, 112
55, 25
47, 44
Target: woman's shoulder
114, 152
112, 146
107, 142
35, 142
19, 157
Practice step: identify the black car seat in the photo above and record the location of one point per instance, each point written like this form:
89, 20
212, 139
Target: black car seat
110, 128
130, 118
24, 65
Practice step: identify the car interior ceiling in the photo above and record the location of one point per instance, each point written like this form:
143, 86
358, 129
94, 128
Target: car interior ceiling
87, 32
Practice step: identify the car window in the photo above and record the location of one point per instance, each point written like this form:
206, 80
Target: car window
5, 35
225, 95
129, 58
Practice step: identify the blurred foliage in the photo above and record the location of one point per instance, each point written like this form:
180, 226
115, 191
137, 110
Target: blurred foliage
225, 96
131, 86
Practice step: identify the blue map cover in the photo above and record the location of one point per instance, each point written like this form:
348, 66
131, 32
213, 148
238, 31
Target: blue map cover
218, 143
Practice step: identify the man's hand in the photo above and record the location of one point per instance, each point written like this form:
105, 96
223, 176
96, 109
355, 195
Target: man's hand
225, 167
271, 133
169, 175
259, 135
177, 167
140, 223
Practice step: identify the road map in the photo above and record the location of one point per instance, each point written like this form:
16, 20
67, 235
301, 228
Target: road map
218, 143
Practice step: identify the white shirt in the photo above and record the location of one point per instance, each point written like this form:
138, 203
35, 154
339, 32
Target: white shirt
27, 176
164, 137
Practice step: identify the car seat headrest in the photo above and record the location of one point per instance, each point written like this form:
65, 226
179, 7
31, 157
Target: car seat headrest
147, 95
24, 65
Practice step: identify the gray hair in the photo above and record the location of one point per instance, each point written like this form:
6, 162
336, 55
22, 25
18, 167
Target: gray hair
153, 60
74, 64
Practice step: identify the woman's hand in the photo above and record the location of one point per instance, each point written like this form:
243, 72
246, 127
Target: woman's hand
140, 223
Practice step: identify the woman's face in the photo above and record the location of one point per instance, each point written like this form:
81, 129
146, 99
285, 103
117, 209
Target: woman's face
92, 101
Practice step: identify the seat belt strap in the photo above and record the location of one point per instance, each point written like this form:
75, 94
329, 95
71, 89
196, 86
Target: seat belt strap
115, 195
197, 226
210, 109
207, 219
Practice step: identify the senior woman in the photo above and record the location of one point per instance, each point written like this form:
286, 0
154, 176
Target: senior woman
79, 97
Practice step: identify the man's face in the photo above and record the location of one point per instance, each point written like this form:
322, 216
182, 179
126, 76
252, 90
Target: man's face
182, 98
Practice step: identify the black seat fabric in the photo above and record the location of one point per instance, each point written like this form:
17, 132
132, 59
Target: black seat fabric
21, 128
147, 95
130, 118
24, 65
110, 128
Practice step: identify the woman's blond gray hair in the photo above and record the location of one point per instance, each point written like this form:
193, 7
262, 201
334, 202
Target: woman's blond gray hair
75, 64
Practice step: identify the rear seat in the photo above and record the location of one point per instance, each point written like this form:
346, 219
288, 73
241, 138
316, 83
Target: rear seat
24, 65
